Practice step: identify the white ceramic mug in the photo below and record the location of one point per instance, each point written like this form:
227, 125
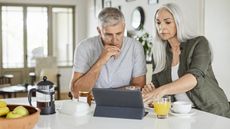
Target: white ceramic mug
181, 107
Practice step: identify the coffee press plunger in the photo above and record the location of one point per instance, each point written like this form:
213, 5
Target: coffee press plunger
45, 96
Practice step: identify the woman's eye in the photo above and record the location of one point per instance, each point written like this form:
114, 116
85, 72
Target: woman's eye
158, 23
167, 22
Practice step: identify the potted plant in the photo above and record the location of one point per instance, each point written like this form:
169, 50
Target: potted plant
145, 39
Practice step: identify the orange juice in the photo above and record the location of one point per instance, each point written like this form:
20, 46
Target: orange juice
162, 108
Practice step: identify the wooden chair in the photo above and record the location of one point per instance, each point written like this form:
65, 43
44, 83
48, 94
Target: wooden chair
5, 81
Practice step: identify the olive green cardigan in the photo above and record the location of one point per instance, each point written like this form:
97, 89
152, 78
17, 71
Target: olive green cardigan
195, 58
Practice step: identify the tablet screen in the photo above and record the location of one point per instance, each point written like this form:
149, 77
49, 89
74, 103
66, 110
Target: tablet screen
118, 98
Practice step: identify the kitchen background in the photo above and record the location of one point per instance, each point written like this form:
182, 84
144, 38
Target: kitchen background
206, 17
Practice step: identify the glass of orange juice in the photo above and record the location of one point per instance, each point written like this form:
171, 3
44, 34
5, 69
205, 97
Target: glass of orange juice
162, 107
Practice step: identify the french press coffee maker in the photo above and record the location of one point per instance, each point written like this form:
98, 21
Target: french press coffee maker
45, 96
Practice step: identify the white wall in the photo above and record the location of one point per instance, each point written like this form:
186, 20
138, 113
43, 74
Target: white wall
217, 30
192, 9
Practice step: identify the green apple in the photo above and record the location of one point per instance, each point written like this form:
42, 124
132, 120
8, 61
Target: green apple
19, 111
13, 115
4, 111
2, 104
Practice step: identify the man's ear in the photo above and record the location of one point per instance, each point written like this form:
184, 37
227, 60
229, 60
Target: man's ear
124, 27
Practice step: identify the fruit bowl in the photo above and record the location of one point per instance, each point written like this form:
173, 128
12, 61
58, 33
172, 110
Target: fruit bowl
25, 122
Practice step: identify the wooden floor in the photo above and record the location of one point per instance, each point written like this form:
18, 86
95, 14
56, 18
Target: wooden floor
63, 95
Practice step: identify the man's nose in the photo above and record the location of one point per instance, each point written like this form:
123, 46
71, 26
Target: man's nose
114, 39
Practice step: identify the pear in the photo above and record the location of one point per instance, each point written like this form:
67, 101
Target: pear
19, 111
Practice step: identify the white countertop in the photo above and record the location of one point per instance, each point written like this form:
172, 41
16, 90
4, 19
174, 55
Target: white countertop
200, 120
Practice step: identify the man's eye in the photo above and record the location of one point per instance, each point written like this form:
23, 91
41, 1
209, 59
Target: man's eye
118, 34
107, 34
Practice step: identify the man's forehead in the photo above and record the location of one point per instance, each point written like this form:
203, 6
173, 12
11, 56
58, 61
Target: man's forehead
113, 29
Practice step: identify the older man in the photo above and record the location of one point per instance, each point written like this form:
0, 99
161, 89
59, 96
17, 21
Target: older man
109, 60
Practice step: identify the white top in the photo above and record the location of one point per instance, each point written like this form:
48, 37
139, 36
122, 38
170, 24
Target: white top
116, 72
180, 96
199, 120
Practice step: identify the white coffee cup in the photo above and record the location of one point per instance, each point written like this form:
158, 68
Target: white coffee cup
181, 107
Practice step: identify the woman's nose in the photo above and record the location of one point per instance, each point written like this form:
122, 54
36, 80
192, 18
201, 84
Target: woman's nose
161, 28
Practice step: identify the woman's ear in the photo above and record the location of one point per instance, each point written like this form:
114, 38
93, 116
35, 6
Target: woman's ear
99, 30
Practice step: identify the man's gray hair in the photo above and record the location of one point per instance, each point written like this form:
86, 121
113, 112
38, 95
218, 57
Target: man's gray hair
110, 17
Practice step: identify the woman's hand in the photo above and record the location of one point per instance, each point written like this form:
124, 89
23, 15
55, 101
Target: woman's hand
148, 88
150, 93
146, 91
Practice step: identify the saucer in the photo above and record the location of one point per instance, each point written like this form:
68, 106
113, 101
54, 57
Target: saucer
192, 112
148, 109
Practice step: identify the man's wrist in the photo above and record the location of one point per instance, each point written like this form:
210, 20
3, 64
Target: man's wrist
100, 62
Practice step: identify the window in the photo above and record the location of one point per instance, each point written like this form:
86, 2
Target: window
36, 31
63, 35
12, 37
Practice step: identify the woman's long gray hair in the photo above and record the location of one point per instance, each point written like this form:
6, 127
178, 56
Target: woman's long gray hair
159, 46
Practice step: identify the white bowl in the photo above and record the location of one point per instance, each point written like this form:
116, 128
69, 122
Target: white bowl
181, 107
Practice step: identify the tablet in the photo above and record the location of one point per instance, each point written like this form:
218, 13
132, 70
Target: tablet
118, 103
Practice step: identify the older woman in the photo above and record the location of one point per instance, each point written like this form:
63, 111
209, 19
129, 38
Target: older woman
182, 65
